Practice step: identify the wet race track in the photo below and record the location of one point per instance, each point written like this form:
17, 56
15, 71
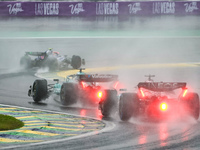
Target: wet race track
167, 47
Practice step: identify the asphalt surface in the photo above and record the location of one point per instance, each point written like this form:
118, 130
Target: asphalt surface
129, 57
136, 134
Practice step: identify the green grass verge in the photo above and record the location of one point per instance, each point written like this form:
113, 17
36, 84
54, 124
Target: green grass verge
9, 123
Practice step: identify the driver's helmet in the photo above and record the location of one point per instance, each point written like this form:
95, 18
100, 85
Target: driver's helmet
49, 51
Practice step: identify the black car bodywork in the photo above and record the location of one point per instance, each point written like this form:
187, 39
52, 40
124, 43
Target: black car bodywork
159, 100
52, 60
89, 89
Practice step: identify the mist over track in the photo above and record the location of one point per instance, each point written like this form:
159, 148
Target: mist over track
149, 43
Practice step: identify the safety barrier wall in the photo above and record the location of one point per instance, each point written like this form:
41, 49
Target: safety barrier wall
136, 8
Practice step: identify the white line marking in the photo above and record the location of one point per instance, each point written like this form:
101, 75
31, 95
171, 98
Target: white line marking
100, 37
109, 127
49, 111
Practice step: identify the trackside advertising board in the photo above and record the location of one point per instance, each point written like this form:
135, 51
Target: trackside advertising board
99, 8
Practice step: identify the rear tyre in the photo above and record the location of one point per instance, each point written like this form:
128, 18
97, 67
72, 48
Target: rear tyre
39, 90
26, 62
128, 106
68, 93
76, 62
109, 101
52, 63
191, 104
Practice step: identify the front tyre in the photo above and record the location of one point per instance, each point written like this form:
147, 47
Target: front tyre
83, 61
68, 93
39, 90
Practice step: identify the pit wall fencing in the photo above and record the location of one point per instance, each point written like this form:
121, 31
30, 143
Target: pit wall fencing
137, 8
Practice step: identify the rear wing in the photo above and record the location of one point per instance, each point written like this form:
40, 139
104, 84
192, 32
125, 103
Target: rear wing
36, 53
98, 77
162, 86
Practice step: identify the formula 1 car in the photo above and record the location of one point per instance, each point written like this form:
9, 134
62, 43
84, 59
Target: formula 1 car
50, 59
159, 100
89, 89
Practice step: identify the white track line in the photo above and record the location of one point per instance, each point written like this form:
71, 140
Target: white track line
101, 37
109, 127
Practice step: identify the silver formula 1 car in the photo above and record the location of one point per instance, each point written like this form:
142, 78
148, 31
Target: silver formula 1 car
51, 59
89, 89
159, 100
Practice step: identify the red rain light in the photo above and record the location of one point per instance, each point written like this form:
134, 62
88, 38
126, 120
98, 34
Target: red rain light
163, 106
100, 94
